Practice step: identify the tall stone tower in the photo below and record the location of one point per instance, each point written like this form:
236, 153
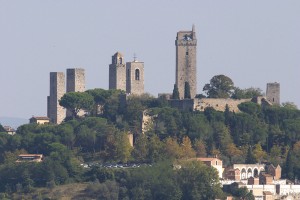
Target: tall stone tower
75, 83
186, 53
55, 112
117, 72
75, 80
273, 93
135, 77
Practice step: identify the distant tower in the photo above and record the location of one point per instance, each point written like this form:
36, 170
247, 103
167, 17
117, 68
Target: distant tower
75, 83
135, 77
117, 72
273, 93
75, 80
186, 53
55, 112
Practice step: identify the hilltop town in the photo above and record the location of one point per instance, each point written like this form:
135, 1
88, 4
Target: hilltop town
123, 143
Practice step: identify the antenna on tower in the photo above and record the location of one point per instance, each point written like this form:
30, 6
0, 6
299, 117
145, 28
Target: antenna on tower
134, 57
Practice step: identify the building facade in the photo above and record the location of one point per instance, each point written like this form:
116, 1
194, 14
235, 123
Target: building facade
117, 72
55, 112
186, 70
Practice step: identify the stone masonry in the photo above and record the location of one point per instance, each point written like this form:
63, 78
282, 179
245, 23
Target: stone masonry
135, 77
117, 72
55, 112
273, 93
186, 53
75, 80
75, 83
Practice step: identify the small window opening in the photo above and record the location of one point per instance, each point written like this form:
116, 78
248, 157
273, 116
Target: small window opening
137, 74
187, 53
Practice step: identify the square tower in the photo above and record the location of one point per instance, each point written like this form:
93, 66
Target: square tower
75, 80
186, 53
135, 77
75, 83
117, 72
273, 93
55, 112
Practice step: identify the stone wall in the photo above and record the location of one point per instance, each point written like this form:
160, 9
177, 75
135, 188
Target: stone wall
218, 104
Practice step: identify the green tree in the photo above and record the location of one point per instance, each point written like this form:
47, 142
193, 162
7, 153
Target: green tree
220, 86
290, 105
1, 128
187, 90
175, 94
246, 93
76, 101
198, 181
187, 150
123, 147
250, 158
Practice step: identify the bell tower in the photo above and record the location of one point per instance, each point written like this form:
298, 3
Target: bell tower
186, 53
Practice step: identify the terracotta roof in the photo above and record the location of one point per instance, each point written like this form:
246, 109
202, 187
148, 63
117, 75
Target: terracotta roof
9, 129
207, 159
40, 118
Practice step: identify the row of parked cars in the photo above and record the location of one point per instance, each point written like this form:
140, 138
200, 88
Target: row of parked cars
114, 165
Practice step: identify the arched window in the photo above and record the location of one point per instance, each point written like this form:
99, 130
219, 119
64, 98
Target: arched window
120, 60
137, 74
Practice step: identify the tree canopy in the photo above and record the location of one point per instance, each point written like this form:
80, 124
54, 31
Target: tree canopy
220, 86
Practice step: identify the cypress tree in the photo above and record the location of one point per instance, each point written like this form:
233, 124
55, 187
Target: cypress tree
175, 94
187, 90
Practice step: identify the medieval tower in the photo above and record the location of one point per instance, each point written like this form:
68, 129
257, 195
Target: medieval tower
117, 72
135, 77
75, 80
186, 53
75, 83
273, 93
55, 112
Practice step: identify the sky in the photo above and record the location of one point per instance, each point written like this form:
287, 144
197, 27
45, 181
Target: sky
252, 42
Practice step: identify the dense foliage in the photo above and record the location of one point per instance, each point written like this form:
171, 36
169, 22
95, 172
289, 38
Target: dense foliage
257, 134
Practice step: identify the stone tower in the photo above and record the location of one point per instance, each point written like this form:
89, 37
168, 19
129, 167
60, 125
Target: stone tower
135, 77
75, 83
55, 112
273, 93
75, 80
186, 53
117, 72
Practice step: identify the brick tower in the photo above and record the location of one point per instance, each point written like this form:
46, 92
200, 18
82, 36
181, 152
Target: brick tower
273, 93
186, 53
135, 77
55, 112
117, 72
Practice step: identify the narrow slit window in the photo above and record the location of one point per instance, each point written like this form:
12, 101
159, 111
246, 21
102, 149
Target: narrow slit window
137, 74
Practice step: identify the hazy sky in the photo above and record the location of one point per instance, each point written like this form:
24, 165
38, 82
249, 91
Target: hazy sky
253, 42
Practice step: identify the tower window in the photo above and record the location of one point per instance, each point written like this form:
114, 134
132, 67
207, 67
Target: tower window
187, 53
120, 60
137, 74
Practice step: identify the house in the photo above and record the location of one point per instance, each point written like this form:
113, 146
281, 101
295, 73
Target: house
213, 162
39, 120
30, 158
9, 130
